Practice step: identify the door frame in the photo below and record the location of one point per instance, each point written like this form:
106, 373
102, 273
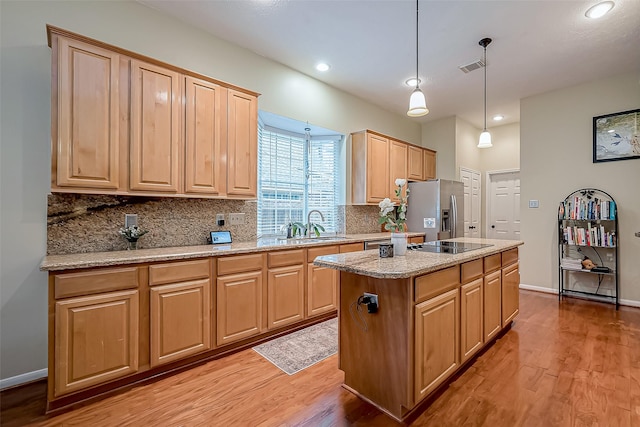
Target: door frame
487, 192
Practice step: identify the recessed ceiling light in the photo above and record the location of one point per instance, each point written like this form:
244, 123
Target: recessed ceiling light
412, 82
322, 67
611, 130
498, 117
599, 10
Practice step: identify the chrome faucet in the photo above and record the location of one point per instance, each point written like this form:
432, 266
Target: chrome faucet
309, 220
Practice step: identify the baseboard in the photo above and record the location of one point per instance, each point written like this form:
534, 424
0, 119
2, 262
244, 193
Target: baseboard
625, 302
23, 378
538, 289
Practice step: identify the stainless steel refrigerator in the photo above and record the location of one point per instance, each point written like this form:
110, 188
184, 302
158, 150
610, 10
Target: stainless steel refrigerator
436, 208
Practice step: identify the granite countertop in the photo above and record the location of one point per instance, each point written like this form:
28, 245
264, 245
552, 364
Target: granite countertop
414, 263
104, 259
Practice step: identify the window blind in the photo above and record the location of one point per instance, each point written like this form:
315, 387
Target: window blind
296, 174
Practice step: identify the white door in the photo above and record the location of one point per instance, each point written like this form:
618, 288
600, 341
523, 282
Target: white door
471, 180
503, 208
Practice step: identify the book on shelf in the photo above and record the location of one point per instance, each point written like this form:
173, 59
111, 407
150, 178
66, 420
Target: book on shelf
571, 263
580, 209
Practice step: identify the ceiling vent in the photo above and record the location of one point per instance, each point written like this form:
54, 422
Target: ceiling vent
473, 66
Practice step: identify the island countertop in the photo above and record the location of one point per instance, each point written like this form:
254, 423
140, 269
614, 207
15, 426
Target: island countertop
105, 259
414, 263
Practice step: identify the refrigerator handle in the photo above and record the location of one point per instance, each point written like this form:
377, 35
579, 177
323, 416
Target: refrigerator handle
454, 216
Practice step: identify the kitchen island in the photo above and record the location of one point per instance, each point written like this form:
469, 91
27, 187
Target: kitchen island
435, 312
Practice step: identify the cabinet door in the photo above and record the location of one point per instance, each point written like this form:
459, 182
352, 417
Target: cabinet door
180, 323
155, 128
377, 173
429, 164
204, 154
397, 165
285, 288
471, 320
492, 305
436, 341
242, 127
510, 293
239, 306
322, 288
96, 340
85, 133
415, 163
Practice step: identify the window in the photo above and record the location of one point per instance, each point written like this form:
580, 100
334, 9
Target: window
297, 173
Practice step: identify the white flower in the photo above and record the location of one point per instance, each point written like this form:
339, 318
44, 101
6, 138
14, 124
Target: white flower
400, 182
386, 206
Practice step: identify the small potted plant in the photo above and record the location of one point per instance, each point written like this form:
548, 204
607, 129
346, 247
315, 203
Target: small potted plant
132, 234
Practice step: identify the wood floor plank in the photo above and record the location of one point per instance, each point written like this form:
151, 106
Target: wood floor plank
568, 363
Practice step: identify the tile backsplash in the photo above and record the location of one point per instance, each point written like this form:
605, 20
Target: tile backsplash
89, 223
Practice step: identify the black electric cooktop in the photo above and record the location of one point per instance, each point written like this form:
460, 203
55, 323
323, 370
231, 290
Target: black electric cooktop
446, 247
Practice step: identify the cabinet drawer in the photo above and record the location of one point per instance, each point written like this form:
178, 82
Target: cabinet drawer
433, 284
492, 263
416, 239
324, 250
95, 281
178, 272
239, 264
471, 270
509, 257
351, 247
284, 258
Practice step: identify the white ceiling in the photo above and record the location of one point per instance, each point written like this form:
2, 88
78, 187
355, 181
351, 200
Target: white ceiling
538, 46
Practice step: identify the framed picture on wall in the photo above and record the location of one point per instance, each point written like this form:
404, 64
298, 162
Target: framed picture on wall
616, 136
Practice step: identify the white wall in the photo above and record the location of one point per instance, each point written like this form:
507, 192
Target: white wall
25, 120
467, 152
440, 135
556, 159
505, 153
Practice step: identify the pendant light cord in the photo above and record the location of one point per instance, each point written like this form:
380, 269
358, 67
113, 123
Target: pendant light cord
485, 88
417, 29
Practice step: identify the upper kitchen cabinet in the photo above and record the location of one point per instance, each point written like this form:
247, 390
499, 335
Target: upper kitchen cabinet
377, 160
398, 155
123, 123
415, 163
204, 148
155, 128
429, 164
242, 144
369, 167
85, 129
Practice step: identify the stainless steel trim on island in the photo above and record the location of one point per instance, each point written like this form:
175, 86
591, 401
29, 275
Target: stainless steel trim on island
434, 310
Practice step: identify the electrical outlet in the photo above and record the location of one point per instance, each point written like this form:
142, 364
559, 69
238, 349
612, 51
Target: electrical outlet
374, 298
236, 218
220, 219
130, 220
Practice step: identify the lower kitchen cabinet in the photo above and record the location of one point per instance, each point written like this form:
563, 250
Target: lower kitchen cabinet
322, 283
471, 319
239, 306
510, 293
492, 305
96, 339
437, 333
180, 322
285, 295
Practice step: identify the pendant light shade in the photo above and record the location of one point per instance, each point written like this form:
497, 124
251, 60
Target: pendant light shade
417, 102
485, 136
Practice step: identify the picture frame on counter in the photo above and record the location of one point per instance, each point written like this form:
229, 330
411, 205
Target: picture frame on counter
616, 136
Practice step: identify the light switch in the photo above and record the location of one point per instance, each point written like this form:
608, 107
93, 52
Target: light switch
534, 203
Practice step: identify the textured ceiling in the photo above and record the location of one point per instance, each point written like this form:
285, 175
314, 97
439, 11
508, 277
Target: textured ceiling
538, 46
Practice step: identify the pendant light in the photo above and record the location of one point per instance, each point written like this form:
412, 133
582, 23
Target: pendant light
417, 102
485, 136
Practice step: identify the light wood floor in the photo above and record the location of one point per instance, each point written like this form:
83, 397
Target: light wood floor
575, 363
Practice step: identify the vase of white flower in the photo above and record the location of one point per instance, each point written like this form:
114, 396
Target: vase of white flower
132, 234
394, 218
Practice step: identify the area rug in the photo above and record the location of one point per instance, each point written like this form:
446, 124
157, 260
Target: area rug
298, 350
